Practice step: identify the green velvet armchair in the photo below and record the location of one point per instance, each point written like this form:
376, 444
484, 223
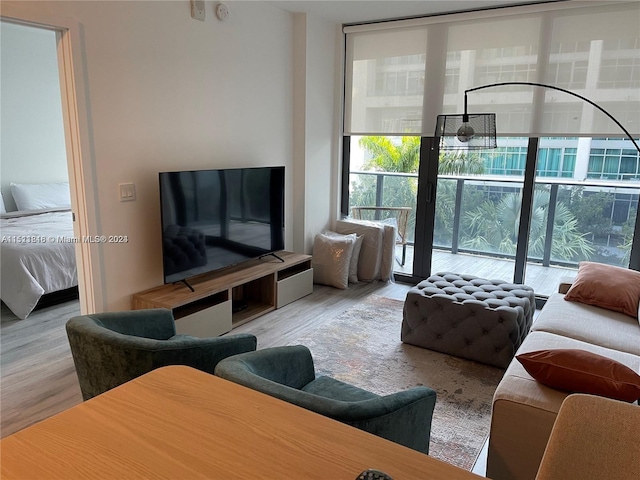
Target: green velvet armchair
288, 373
112, 348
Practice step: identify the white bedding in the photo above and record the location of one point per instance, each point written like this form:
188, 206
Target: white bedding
34, 258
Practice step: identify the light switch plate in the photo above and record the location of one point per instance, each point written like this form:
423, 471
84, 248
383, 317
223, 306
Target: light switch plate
127, 192
197, 10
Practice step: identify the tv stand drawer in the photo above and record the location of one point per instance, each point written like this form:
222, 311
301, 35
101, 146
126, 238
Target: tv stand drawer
208, 322
294, 287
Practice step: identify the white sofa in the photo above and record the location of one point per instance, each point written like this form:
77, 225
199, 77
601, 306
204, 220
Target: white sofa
524, 410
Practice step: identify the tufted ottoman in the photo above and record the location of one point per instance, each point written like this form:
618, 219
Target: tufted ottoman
469, 317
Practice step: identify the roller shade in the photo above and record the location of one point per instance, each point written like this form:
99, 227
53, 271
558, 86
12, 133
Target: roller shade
399, 77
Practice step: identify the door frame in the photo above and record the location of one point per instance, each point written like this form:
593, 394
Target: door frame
80, 164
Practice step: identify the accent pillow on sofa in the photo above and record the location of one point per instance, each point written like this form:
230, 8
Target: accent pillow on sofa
606, 286
39, 196
579, 371
331, 259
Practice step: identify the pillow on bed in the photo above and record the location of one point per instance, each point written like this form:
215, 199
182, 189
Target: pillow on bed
2, 209
39, 196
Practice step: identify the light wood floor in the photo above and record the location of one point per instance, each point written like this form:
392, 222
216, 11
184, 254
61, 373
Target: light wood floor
37, 373
37, 376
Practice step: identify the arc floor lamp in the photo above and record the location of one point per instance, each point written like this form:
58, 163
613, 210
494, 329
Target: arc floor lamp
478, 130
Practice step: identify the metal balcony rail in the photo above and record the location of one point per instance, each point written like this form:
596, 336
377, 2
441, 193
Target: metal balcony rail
553, 185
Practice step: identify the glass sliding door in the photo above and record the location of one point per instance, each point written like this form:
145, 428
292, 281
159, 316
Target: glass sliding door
477, 211
581, 205
383, 178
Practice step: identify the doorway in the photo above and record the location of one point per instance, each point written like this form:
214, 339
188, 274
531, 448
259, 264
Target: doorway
76, 141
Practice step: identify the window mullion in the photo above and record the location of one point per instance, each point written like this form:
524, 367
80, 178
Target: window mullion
528, 189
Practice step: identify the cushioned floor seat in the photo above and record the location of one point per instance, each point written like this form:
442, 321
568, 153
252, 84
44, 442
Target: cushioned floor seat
469, 317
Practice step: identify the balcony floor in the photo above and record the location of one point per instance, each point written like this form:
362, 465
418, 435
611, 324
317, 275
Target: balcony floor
543, 280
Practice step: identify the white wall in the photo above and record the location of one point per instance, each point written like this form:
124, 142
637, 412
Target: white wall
316, 126
32, 148
166, 92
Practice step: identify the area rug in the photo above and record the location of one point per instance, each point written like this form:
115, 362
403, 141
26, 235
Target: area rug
362, 346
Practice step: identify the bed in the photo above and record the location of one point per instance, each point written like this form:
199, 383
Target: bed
37, 257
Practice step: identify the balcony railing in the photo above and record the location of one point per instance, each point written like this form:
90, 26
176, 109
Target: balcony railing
580, 220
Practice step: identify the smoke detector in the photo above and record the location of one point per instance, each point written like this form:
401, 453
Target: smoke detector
222, 12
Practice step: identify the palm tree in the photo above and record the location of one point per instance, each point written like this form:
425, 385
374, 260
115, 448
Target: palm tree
457, 162
487, 226
494, 227
387, 156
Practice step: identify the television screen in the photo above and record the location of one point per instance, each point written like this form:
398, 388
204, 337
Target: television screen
213, 219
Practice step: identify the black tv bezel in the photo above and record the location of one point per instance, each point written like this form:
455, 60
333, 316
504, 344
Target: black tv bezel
231, 264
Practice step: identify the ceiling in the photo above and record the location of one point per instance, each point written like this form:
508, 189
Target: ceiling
358, 11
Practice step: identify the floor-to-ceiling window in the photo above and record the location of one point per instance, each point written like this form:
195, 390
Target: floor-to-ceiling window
563, 184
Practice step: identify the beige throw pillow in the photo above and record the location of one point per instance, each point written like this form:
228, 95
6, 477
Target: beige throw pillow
331, 259
355, 255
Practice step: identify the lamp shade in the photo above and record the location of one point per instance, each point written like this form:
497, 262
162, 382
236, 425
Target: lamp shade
466, 131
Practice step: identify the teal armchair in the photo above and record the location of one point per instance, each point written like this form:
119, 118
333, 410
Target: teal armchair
112, 348
288, 373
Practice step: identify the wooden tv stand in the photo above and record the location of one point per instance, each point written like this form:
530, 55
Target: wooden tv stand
254, 287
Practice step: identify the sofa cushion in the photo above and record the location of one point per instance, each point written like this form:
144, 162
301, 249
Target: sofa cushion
580, 371
589, 324
606, 286
520, 387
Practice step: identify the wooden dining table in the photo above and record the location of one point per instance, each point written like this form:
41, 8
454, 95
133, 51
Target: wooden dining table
180, 423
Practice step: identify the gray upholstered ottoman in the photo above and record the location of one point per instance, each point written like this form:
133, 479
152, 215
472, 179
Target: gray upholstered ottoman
469, 317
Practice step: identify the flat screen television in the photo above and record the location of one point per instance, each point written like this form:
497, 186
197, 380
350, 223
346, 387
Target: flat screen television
212, 219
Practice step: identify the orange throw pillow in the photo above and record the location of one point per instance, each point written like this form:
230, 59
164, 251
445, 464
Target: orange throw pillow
606, 286
579, 371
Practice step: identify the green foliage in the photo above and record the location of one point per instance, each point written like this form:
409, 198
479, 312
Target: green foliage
490, 224
590, 209
387, 156
456, 162
493, 227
